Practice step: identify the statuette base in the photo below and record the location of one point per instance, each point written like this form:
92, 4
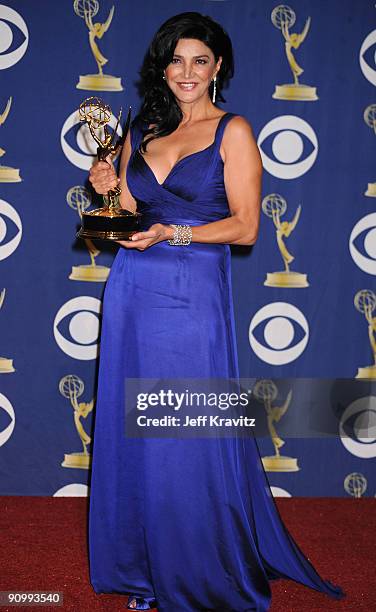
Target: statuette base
9, 175
280, 464
286, 279
95, 274
367, 372
81, 461
291, 91
6, 365
99, 82
371, 191
109, 224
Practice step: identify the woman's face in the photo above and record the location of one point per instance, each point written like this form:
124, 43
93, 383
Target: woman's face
191, 70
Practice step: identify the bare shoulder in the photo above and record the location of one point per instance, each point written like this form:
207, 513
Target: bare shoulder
238, 140
238, 129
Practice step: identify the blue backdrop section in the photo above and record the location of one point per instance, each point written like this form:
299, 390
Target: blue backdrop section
42, 305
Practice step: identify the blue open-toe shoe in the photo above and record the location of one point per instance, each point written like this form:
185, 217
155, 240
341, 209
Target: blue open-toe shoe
141, 603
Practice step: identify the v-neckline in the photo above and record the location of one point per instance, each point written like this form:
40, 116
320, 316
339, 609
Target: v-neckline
179, 161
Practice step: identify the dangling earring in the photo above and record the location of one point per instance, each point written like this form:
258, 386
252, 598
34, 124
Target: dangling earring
214, 89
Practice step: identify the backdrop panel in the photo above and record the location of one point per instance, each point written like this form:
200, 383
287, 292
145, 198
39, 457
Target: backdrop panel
305, 79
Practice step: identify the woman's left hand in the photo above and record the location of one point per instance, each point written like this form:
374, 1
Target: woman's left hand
143, 240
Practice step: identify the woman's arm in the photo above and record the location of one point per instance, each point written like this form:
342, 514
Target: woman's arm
103, 177
242, 176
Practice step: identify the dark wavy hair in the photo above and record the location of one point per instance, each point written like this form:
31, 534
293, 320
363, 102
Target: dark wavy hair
159, 105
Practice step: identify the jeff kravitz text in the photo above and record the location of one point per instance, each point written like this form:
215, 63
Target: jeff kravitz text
200, 421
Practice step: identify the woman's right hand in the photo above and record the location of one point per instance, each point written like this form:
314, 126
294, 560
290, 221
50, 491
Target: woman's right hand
103, 176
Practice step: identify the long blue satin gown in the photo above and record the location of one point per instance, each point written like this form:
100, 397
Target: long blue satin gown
183, 524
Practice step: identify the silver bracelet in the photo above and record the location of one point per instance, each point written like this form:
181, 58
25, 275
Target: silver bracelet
182, 235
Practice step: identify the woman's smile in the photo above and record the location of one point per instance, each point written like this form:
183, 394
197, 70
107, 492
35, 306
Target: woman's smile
187, 86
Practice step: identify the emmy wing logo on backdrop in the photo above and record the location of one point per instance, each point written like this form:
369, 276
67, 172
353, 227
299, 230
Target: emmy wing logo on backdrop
283, 17
6, 365
83, 327
87, 9
357, 427
72, 387
10, 16
7, 174
370, 119
368, 71
7, 211
288, 146
274, 206
79, 199
278, 333
6, 433
266, 391
355, 484
366, 225
87, 153
365, 302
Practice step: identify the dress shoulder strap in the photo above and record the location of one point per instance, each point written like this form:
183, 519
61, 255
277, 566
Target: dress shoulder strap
136, 133
221, 127
215, 158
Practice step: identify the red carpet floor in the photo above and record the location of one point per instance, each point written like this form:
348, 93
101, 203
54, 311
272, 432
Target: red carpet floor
44, 548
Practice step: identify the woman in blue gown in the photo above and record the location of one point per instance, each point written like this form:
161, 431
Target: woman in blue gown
182, 524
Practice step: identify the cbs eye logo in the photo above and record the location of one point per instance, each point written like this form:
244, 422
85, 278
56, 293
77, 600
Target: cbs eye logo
83, 327
287, 146
278, 333
365, 51
82, 139
366, 226
6, 433
7, 211
72, 490
357, 427
278, 492
13, 41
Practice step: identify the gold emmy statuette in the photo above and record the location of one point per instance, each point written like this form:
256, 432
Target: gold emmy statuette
8, 174
370, 119
266, 391
79, 199
365, 302
6, 365
275, 206
112, 222
355, 484
87, 9
283, 18
72, 387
